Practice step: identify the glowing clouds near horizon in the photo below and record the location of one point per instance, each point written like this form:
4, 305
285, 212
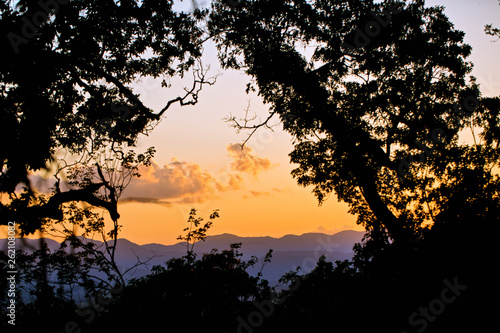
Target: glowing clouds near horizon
177, 182
246, 161
187, 183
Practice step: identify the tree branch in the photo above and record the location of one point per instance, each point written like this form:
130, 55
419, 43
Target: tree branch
51, 209
199, 80
246, 121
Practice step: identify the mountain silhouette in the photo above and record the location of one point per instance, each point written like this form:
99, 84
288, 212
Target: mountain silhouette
289, 251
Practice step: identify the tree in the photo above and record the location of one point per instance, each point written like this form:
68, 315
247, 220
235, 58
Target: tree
66, 75
196, 294
492, 31
196, 233
375, 95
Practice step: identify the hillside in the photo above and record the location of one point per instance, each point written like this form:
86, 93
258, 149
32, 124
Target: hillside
289, 251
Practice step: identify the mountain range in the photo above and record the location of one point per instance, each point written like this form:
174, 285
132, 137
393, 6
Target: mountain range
289, 251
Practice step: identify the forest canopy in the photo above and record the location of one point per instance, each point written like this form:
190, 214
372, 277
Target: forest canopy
66, 74
376, 111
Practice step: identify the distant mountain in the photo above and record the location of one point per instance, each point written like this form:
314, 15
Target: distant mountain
342, 242
289, 251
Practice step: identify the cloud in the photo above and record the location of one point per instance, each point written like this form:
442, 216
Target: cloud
184, 182
179, 182
285, 190
322, 229
42, 184
331, 231
254, 194
258, 194
145, 200
244, 160
188, 182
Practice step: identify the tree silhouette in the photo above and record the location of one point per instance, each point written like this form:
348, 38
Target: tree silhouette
490, 30
70, 114
375, 95
196, 233
375, 110
193, 294
365, 116
66, 73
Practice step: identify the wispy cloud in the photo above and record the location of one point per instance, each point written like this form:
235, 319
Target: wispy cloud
329, 230
253, 194
244, 160
145, 200
188, 182
42, 184
179, 182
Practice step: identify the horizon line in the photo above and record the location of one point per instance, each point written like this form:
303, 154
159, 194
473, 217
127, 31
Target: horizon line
223, 234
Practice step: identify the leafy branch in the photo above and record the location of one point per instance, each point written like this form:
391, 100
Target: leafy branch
196, 233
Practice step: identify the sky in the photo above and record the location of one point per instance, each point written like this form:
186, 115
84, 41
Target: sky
199, 163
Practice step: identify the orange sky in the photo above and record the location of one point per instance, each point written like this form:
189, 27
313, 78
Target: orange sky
253, 188
267, 204
198, 166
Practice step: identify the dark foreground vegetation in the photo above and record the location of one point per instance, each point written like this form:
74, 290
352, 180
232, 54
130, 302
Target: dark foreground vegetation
375, 115
433, 286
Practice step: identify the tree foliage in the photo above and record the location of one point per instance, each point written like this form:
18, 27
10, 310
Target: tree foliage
66, 75
375, 95
195, 233
200, 294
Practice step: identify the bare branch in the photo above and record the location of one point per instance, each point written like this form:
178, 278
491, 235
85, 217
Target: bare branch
139, 262
191, 96
244, 123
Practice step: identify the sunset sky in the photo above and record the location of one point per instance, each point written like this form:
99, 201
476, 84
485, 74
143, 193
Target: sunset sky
199, 163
